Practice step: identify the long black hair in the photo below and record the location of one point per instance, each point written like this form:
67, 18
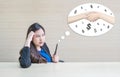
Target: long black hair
35, 57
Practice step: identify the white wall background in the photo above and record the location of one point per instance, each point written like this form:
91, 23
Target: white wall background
17, 15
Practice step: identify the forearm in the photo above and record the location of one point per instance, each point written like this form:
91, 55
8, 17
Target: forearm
107, 18
27, 43
29, 39
24, 59
72, 19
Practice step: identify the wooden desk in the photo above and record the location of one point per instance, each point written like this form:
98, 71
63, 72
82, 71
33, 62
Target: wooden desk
73, 69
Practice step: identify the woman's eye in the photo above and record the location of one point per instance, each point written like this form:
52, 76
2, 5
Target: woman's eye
42, 35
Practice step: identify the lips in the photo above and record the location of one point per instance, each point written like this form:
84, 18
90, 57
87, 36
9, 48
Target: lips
40, 42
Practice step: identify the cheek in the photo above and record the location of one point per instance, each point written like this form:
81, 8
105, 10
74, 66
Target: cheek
35, 40
44, 39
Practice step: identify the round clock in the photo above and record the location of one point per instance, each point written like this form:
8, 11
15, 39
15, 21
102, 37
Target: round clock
91, 19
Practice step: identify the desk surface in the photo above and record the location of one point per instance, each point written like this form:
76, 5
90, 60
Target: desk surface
73, 69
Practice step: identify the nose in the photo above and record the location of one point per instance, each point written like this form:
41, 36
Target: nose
40, 38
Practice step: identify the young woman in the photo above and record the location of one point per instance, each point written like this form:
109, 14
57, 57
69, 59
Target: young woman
35, 49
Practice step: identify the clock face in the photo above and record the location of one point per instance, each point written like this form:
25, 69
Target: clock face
84, 26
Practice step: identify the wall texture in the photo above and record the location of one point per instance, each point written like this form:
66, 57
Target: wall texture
17, 15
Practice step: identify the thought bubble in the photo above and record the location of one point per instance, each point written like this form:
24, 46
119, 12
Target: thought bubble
67, 33
91, 19
62, 37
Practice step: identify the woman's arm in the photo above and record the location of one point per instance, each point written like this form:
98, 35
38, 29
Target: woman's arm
24, 58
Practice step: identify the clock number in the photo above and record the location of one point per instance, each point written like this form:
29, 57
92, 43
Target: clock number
81, 7
97, 23
91, 6
75, 11
103, 24
105, 10
98, 6
83, 31
108, 26
76, 26
82, 22
100, 29
95, 30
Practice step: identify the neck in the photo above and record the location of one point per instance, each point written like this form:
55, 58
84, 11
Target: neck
38, 48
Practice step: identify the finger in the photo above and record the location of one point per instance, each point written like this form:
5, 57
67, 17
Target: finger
31, 33
30, 36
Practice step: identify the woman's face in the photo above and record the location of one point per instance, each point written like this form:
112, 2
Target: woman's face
39, 38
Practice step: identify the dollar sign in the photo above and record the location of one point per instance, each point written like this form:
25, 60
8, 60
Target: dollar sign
88, 26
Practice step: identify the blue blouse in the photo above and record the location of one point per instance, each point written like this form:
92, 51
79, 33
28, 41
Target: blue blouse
45, 55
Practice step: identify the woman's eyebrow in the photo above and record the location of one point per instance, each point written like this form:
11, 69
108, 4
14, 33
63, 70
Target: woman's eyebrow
40, 34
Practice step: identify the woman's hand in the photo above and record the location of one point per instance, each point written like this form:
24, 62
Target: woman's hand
93, 16
55, 58
29, 39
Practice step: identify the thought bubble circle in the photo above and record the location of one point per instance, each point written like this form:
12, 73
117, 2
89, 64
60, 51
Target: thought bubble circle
62, 37
67, 33
91, 19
